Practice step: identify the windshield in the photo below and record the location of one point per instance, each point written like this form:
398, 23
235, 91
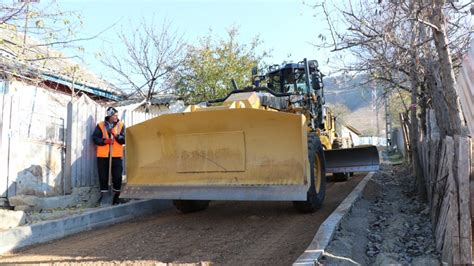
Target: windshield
287, 81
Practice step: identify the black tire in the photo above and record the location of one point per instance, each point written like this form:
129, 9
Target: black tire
317, 190
341, 177
187, 206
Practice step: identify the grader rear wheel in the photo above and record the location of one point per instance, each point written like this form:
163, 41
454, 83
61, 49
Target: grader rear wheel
317, 189
339, 177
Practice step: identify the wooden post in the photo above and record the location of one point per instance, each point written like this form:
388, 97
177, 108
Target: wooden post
447, 228
451, 247
67, 186
406, 140
463, 145
471, 179
435, 158
12, 130
4, 144
440, 202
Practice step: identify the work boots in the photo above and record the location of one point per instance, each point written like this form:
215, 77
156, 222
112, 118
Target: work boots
106, 199
116, 198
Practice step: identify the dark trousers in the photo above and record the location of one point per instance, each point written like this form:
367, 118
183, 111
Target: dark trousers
103, 169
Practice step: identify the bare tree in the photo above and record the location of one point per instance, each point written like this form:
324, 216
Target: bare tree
12, 12
378, 37
31, 35
439, 29
405, 45
151, 55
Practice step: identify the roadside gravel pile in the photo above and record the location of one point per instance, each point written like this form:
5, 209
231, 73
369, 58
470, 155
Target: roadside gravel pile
388, 225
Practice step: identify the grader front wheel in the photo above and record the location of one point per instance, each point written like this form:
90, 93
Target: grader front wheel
187, 206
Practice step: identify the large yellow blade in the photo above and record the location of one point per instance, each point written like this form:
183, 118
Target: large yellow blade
186, 154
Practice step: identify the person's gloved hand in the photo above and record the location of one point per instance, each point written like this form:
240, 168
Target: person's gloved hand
108, 141
114, 133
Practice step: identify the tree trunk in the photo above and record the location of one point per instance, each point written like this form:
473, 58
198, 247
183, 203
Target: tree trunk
424, 106
435, 90
447, 73
414, 135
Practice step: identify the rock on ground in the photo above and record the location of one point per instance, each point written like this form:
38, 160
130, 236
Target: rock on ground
10, 219
80, 197
36, 209
388, 225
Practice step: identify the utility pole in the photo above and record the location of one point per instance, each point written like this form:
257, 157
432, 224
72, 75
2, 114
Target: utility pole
374, 107
388, 122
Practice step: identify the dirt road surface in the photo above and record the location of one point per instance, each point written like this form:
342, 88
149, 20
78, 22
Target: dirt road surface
227, 233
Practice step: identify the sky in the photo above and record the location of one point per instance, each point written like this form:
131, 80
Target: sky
287, 28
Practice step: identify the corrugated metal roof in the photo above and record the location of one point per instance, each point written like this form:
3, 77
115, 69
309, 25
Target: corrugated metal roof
159, 99
82, 87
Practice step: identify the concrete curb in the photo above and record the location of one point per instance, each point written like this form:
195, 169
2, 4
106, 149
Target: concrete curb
326, 231
23, 236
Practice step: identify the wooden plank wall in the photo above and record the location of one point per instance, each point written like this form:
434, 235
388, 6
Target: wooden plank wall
83, 165
85, 116
446, 166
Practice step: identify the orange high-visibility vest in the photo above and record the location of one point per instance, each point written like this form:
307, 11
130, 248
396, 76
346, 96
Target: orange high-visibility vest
117, 149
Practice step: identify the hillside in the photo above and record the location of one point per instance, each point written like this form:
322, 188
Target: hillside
355, 93
364, 119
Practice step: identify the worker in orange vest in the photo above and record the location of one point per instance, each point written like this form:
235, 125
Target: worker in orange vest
110, 133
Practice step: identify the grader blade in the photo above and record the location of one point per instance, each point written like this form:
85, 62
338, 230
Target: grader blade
228, 154
358, 159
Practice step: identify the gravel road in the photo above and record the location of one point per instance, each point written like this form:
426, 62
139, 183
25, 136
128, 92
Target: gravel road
227, 233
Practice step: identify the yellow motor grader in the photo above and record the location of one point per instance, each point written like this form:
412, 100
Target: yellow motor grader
332, 140
260, 143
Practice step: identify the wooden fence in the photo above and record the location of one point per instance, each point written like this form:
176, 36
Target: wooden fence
446, 170
447, 167
80, 163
